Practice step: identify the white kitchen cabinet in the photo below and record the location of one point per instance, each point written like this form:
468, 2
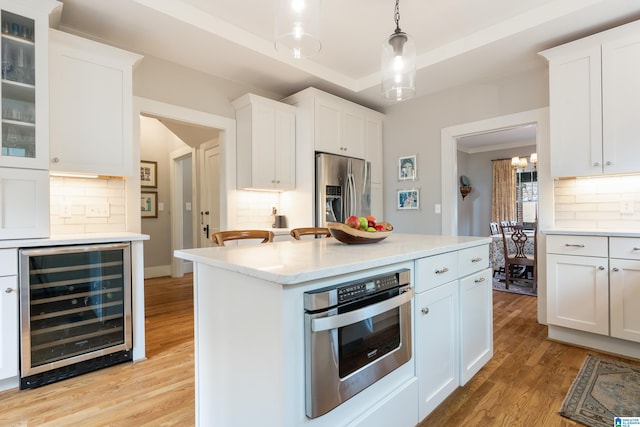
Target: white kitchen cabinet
454, 322
266, 143
8, 314
24, 203
594, 92
476, 322
578, 283
624, 287
90, 107
436, 335
339, 127
25, 107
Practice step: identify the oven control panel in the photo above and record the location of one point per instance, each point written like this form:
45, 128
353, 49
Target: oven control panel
346, 292
363, 288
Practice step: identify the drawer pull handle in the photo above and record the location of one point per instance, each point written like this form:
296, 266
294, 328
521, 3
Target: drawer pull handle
480, 280
616, 269
425, 310
635, 248
569, 245
476, 259
9, 290
601, 268
444, 270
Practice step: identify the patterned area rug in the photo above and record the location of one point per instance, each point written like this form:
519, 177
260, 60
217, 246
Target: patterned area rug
514, 288
603, 390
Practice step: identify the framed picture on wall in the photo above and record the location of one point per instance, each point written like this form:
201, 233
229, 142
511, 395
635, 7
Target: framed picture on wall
149, 205
407, 168
409, 199
148, 174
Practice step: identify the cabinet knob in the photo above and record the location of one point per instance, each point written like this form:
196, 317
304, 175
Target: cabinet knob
444, 270
425, 310
480, 280
9, 290
608, 163
477, 259
616, 269
55, 160
601, 268
596, 163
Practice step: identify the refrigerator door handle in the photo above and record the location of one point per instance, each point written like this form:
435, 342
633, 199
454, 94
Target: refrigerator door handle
351, 186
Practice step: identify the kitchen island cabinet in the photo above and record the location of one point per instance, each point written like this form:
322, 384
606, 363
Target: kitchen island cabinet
250, 332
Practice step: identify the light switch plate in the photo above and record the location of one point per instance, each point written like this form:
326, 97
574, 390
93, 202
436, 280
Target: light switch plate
65, 211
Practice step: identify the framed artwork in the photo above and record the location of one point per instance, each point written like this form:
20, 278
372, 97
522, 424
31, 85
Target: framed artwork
148, 174
409, 199
407, 168
149, 205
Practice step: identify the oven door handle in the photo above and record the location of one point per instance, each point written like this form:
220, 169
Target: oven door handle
338, 321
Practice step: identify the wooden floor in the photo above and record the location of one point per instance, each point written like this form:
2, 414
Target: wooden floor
523, 385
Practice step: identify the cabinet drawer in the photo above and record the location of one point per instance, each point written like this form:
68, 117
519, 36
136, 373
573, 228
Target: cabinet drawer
473, 259
8, 262
624, 247
578, 245
436, 270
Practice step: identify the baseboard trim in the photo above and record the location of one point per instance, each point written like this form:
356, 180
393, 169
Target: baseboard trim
157, 271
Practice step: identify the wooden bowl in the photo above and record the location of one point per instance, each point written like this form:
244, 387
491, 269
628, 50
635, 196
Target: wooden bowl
346, 234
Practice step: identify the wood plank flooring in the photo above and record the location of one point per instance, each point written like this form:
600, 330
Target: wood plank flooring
523, 385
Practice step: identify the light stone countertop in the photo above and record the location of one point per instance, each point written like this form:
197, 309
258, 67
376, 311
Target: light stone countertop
297, 261
74, 239
605, 233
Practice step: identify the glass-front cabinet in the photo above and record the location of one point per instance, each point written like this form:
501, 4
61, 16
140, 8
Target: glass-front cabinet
24, 88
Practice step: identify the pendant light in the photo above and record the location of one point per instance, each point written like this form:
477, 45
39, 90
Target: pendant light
398, 63
298, 28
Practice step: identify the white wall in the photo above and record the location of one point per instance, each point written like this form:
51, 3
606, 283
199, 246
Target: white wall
414, 127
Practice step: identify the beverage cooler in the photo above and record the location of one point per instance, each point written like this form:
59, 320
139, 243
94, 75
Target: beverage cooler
75, 310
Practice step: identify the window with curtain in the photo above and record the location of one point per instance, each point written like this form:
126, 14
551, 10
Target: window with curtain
527, 196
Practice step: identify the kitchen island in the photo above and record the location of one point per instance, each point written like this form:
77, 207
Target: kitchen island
250, 329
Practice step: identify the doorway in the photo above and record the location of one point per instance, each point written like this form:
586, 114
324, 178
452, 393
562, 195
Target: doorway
449, 175
224, 196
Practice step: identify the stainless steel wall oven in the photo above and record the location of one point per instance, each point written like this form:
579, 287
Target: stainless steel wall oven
355, 334
75, 310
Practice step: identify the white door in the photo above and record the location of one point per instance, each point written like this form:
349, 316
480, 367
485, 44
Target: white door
209, 215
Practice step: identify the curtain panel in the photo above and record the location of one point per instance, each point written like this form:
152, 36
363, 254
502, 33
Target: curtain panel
503, 194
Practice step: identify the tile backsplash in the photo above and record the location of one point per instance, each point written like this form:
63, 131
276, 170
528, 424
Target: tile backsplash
86, 205
254, 209
598, 203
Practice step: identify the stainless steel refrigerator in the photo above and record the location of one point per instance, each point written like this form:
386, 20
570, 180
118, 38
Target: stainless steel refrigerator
343, 188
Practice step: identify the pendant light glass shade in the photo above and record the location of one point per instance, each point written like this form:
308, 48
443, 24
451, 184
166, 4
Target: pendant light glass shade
298, 27
398, 64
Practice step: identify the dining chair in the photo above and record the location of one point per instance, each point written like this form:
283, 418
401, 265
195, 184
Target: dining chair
222, 236
493, 227
517, 264
296, 233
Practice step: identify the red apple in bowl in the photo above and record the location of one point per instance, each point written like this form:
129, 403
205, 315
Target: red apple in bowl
353, 221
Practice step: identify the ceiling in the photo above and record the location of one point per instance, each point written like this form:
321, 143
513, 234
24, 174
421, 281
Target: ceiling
458, 41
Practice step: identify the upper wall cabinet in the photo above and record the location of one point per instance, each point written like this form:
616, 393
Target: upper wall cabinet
594, 99
338, 126
25, 109
266, 140
91, 106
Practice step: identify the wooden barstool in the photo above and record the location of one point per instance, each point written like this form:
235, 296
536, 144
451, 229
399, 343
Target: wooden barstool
222, 236
310, 231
